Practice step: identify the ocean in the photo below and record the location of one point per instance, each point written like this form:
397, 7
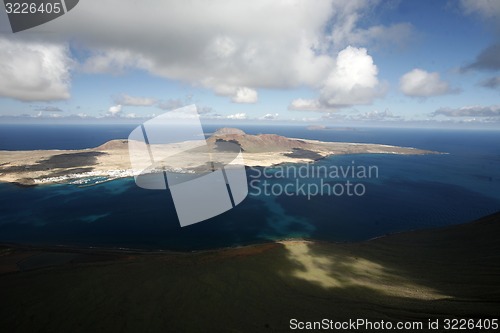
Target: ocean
409, 192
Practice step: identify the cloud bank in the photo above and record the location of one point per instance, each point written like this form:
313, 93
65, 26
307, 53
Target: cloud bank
236, 51
470, 111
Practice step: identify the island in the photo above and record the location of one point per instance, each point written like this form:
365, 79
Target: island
111, 160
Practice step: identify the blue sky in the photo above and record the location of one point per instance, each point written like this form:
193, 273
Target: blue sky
420, 63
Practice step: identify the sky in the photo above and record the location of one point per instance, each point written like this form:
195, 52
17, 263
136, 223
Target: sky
334, 63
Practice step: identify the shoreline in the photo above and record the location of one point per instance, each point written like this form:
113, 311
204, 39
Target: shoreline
71, 180
112, 159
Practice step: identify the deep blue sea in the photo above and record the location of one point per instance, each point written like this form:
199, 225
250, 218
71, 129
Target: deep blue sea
410, 192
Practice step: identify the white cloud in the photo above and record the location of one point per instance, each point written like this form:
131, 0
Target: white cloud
369, 116
245, 95
239, 116
40, 114
269, 116
351, 81
419, 83
115, 110
376, 116
134, 101
222, 47
34, 71
301, 104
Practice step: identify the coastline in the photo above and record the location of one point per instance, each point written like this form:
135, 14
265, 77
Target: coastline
111, 160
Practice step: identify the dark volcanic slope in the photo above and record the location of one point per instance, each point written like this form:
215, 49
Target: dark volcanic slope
257, 143
444, 273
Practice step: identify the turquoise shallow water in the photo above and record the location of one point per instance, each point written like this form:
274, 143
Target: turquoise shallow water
410, 192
